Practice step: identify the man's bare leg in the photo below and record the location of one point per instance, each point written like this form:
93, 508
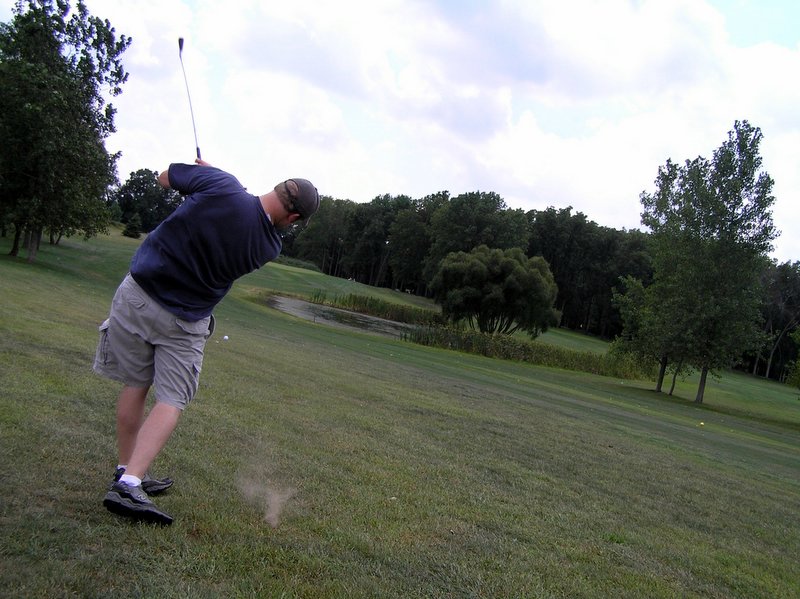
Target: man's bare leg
153, 435
130, 416
139, 440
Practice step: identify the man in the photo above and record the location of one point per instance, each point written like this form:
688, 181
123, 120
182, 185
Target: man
161, 315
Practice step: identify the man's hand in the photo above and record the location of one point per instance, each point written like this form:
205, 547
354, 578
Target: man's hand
163, 180
201, 162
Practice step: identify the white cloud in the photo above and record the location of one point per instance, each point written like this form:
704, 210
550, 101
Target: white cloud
544, 102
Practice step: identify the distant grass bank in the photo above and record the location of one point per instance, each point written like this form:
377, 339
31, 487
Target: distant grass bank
399, 470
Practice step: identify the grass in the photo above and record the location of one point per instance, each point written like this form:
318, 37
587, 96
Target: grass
411, 471
574, 340
289, 280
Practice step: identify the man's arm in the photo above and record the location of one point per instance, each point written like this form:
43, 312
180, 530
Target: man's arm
163, 178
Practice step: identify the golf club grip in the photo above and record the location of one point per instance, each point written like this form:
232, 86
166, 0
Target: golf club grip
198, 153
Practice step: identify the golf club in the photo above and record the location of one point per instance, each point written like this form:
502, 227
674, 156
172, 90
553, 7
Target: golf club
180, 56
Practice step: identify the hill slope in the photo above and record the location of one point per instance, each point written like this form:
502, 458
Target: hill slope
392, 470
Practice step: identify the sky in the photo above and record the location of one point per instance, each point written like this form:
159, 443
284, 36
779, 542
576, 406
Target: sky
544, 102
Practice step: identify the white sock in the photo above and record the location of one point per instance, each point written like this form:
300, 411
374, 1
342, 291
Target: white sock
123, 466
130, 480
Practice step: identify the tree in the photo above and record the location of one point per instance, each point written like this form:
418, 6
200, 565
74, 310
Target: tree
646, 332
142, 196
587, 261
497, 291
470, 220
781, 315
133, 228
793, 375
410, 239
322, 241
630, 258
409, 242
55, 68
711, 229
562, 238
367, 239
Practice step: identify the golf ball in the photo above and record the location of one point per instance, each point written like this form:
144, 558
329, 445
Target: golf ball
225, 338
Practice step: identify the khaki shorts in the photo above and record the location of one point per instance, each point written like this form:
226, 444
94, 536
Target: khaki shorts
142, 344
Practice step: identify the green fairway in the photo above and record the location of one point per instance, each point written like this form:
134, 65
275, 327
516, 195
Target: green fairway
399, 470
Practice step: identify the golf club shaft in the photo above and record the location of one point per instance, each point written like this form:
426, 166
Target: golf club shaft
186, 82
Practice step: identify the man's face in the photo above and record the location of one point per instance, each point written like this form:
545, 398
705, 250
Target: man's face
286, 220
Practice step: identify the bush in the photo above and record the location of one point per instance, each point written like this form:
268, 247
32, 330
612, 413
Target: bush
616, 363
793, 375
379, 308
133, 228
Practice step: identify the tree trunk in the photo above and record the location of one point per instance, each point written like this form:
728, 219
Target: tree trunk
587, 316
33, 240
17, 236
785, 329
768, 331
662, 370
701, 388
675, 377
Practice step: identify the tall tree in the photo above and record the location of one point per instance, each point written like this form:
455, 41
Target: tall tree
408, 246
323, 240
564, 240
470, 220
367, 240
56, 65
712, 227
409, 241
631, 258
647, 331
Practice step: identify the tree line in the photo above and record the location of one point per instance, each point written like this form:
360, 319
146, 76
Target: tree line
399, 242
695, 292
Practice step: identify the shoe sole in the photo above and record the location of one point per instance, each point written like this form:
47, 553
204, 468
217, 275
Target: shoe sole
156, 487
121, 506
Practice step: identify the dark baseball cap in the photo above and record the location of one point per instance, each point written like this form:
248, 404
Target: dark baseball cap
306, 202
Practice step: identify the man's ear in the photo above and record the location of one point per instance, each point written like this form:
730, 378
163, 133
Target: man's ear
294, 217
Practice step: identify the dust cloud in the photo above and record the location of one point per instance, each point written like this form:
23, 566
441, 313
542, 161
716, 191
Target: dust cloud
269, 497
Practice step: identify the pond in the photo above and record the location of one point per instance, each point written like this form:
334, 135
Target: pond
338, 318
